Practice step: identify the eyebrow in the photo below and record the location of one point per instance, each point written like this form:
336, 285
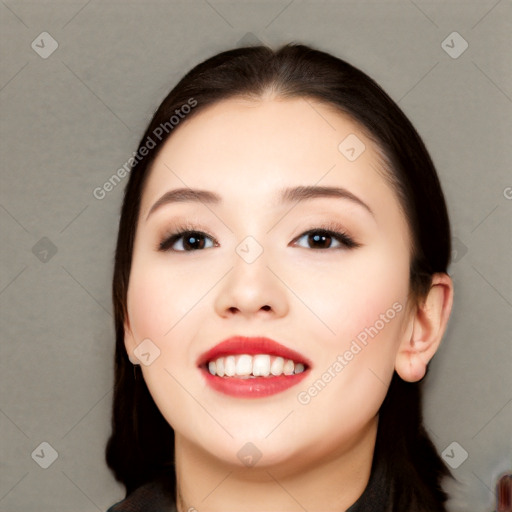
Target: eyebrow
286, 195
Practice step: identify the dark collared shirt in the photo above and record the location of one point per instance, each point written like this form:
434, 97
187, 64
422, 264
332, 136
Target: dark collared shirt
154, 497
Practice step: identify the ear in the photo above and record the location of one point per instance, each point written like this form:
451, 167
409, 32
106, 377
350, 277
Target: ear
425, 330
129, 342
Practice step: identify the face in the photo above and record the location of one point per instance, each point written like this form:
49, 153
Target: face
260, 265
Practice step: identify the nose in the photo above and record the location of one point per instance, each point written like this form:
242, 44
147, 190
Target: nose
251, 288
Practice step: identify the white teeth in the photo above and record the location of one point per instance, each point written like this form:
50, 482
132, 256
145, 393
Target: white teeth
220, 367
261, 365
246, 366
289, 367
230, 366
277, 366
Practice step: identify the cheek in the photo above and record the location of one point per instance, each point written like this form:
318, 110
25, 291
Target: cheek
145, 309
358, 293
160, 296
157, 307
168, 302
363, 305
161, 307
352, 377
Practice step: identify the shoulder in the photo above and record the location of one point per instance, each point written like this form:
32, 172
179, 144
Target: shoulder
154, 496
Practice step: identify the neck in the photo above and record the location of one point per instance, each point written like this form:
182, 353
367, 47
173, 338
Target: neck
323, 481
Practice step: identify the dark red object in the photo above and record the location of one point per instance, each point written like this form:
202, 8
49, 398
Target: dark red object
504, 493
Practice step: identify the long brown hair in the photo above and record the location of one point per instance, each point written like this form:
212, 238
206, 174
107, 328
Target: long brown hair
141, 445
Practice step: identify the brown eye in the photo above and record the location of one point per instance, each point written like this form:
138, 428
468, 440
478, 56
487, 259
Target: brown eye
324, 238
189, 241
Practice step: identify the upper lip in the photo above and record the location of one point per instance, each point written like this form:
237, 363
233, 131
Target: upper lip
252, 346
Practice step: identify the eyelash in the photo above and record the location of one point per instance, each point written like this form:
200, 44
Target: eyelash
330, 229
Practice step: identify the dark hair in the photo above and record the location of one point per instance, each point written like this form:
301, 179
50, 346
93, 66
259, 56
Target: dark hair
141, 445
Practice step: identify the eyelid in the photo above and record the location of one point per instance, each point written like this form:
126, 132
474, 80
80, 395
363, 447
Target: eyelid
177, 232
185, 226
333, 228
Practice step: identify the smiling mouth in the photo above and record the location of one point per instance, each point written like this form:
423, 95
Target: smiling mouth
252, 367
251, 386
247, 366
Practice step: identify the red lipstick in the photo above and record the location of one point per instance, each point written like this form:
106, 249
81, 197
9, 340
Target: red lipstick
252, 387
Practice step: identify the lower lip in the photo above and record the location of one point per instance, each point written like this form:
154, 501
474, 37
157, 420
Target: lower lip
255, 387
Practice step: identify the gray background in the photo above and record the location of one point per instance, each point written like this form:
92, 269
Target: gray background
70, 120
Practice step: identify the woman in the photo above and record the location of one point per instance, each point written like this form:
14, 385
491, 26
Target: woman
280, 287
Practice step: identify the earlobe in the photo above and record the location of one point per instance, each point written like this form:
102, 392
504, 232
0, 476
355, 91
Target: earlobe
426, 329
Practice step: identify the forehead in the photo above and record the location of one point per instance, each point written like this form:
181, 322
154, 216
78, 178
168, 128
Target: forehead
245, 149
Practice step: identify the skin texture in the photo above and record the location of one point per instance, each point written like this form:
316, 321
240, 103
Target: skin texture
314, 300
